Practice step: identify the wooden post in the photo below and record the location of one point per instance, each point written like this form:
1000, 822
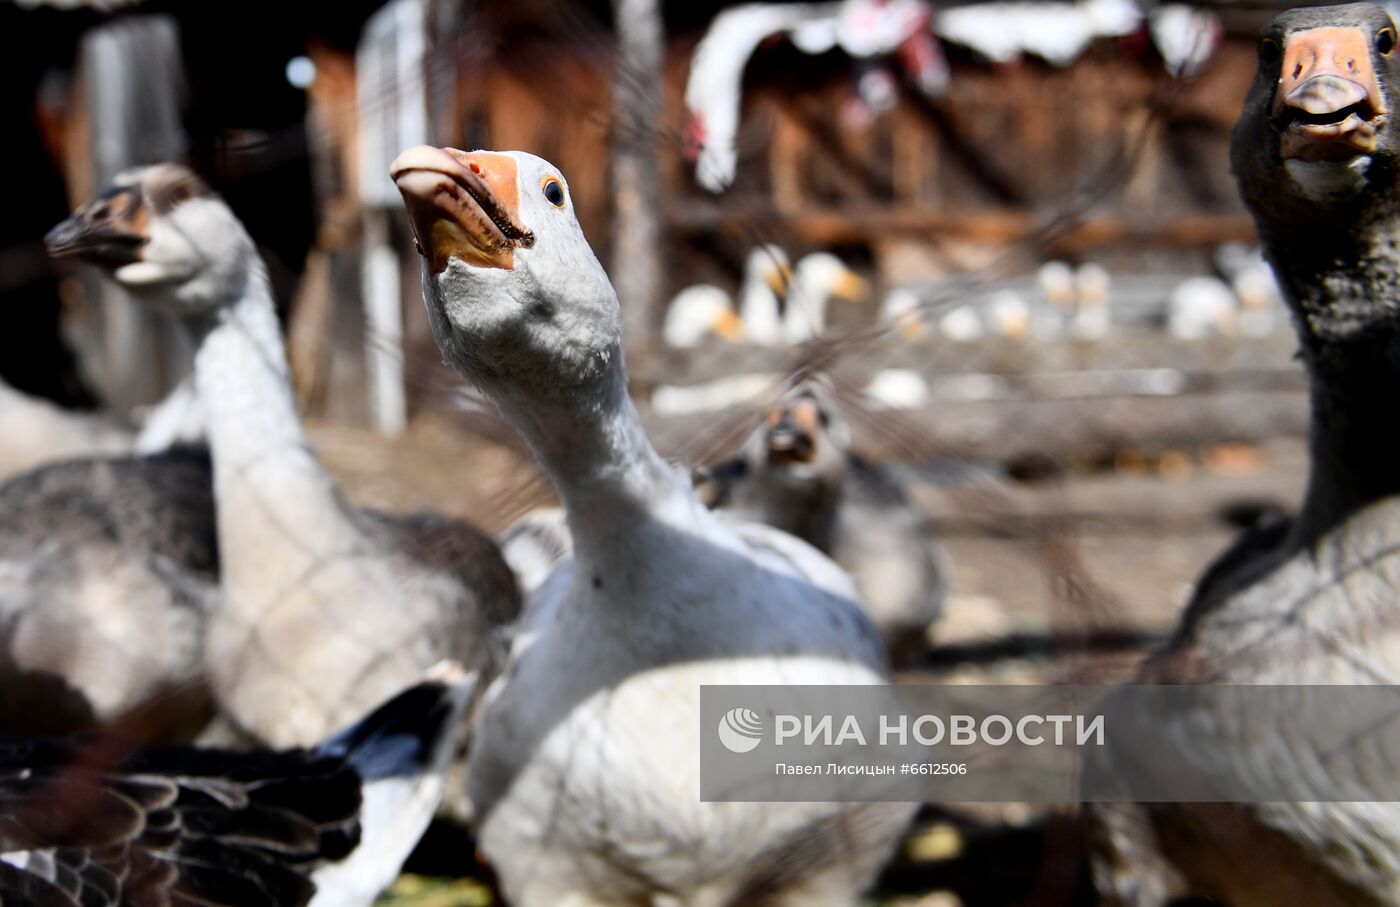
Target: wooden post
637, 212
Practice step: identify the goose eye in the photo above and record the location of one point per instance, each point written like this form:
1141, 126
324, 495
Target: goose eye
1269, 51
1385, 41
553, 191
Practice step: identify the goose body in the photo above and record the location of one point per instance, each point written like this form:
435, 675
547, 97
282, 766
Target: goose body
698, 312
108, 572
1312, 600
767, 278
35, 431
1058, 33
324, 609
817, 279
584, 769
865, 29
101, 823
797, 473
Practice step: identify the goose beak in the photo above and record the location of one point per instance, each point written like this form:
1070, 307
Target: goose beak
792, 432
851, 287
1328, 105
462, 205
728, 326
108, 231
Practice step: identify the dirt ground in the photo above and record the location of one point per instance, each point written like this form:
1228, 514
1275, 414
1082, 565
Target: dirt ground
1126, 542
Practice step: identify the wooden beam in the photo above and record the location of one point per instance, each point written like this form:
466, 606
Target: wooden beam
827, 227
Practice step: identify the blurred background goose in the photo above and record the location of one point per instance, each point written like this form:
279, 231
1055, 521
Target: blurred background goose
767, 280
585, 762
99, 822
798, 473
818, 278
1311, 600
36, 431
324, 609
699, 312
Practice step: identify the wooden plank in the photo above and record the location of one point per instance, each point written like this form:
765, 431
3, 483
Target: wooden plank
1062, 429
1003, 227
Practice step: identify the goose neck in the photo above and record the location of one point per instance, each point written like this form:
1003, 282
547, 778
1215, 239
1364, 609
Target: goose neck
591, 442
1344, 288
268, 482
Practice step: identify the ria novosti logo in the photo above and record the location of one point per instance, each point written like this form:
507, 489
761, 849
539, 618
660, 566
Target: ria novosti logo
740, 730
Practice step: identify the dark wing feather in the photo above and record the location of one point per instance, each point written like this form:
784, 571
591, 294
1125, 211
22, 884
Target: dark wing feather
110, 825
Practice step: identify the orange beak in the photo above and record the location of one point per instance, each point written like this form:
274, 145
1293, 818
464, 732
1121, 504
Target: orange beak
462, 205
1328, 105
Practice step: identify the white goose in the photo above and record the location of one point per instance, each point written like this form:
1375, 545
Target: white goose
818, 278
767, 280
865, 29
798, 471
586, 764
698, 312
324, 610
35, 431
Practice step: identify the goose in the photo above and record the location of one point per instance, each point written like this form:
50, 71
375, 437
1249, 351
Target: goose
1199, 307
108, 571
865, 29
1010, 315
962, 324
585, 761
897, 388
798, 473
817, 279
903, 308
1255, 288
698, 312
36, 431
101, 822
1091, 318
1057, 284
1311, 600
323, 609
1185, 36
1058, 33
767, 279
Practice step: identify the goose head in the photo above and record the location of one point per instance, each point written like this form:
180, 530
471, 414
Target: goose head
515, 295
1315, 141
800, 445
165, 236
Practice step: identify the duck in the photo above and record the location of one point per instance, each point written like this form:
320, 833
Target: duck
323, 609
818, 278
697, 312
585, 756
798, 473
100, 820
1308, 599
